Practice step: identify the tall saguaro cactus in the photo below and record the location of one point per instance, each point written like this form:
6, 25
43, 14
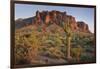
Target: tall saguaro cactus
67, 29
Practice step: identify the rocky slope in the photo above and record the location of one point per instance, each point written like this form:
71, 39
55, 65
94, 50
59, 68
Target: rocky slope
46, 18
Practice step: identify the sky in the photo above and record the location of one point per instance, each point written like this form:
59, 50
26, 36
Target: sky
80, 13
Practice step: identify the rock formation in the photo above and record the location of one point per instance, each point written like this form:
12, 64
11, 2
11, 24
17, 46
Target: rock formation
46, 18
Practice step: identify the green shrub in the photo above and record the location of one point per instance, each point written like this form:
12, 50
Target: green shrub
26, 47
87, 58
76, 52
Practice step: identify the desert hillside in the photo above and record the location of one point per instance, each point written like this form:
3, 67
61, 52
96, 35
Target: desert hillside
53, 37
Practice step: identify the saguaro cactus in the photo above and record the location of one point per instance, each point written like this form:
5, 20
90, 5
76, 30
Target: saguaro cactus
67, 29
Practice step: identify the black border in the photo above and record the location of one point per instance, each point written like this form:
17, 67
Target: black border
12, 29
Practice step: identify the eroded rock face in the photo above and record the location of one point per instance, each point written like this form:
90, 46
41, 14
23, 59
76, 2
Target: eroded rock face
56, 17
73, 23
83, 27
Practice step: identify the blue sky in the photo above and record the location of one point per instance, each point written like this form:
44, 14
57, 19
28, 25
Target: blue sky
81, 14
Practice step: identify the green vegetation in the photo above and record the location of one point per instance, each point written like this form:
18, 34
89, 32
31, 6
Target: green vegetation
33, 46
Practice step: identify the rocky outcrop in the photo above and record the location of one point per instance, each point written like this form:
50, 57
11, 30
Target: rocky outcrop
73, 23
57, 17
46, 18
83, 26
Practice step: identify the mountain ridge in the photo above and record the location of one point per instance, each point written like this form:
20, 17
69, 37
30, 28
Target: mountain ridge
50, 17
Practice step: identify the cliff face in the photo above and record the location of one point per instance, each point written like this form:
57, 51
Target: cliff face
83, 26
56, 17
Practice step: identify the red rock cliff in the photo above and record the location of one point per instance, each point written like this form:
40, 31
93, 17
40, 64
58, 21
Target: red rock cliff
57, 17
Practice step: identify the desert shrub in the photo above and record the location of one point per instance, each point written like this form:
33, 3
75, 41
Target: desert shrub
26, 47
54, 46
63, 48
20, 60
58, 42
39, 29
87, 58
51, 42
89, 41
82, 39
88, 48
76, 52
20, 51
54, 53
